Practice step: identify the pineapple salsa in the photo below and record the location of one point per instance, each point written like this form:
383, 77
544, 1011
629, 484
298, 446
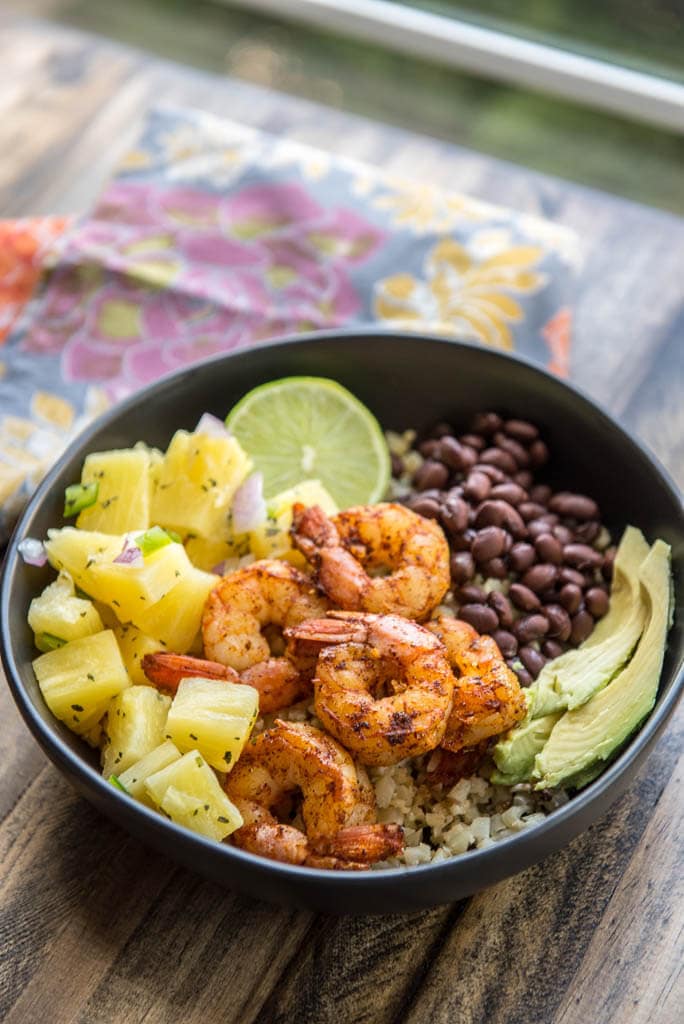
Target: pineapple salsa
153, 532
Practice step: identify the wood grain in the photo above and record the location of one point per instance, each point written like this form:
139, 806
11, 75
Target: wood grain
97, 929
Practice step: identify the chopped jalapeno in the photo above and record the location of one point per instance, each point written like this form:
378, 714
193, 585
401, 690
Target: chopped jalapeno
114, 781
154, 539
79, 496
49, 642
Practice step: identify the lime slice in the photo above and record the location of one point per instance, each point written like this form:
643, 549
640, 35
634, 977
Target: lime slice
304, 428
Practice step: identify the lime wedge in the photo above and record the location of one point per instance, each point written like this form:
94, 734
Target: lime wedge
305, 428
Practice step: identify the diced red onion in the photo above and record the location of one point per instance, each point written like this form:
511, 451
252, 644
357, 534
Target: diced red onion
130, 553
212, 426
33, 552
219, 569
249, 507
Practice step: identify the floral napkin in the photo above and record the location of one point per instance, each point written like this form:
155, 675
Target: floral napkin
213, 236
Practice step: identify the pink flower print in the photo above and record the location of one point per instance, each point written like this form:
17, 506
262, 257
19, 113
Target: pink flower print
126, 202
188, 207
216, 250
343, 235
83, 360
263, 210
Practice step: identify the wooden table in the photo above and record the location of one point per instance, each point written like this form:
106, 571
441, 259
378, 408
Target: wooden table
94, 927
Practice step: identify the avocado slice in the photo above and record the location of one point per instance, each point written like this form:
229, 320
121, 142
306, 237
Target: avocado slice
573, 678
586, 737
514, 754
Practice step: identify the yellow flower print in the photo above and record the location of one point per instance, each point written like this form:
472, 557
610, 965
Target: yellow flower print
461, 295
426, 208
30, 445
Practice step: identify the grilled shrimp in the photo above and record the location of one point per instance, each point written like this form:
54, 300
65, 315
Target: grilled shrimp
383, 686
385, 538
279, 682
240, 607
338, 801
488, 699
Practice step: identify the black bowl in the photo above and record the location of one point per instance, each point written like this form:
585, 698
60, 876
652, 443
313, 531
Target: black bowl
408, 381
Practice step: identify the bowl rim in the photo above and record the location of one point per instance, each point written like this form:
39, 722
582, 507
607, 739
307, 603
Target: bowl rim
59, 751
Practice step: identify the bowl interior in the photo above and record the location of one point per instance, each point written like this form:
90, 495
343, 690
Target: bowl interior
408, 382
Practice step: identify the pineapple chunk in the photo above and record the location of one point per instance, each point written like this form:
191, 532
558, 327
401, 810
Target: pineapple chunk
134, 645
60, 614
134, 778
190, 794
195, 485
78, 551
272, 538
176, 619
123, 498
78, 680
214, 717
135, 725
205, 554
132, 589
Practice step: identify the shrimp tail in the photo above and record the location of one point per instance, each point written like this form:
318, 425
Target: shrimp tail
448, 766
311, 531
166, 670
365, 844
311, 636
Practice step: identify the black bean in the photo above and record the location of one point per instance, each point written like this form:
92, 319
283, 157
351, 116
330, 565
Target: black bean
532, 660
499, 458
488, 543
473, 441
531, 510
521, 430
429, 449
530, 627
574, 506
524, 479
451, 453
549, 548
397, 465
540, 577
570, 597
430, 474
608, 560
454, 515
502, 607
596, 600
462, 567
471, 594
563, 534
486, 423
582, 625
495, 569
494, 474
510, 492
506, 642
428, 507
581, 556
477, 486
568, 575
551, 649
541, 493
522, 556
523, 598
514, 448
559, 621
539, 453
480, 616
588, 532
538, 527
499, 513
462, 541
524, 677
